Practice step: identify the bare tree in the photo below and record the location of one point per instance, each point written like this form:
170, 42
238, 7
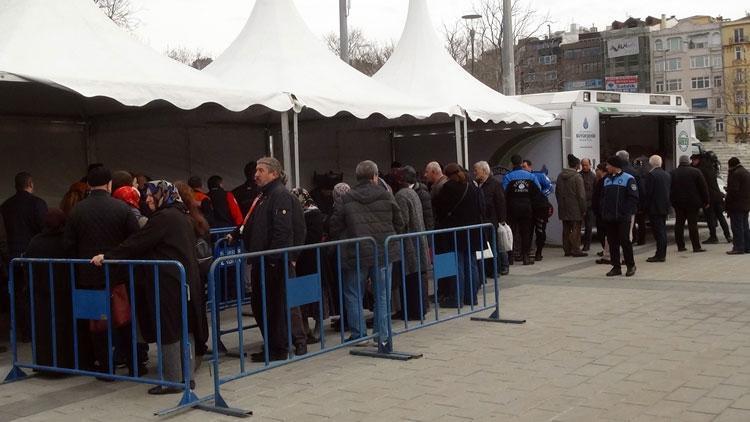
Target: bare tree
192, 58
365, 55
736, 100
120, 11
456, 42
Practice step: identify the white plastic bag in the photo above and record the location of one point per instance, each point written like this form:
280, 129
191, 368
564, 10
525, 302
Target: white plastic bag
504, 237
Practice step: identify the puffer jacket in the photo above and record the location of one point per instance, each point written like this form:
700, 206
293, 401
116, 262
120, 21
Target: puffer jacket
367, 210
571, 196
619, 199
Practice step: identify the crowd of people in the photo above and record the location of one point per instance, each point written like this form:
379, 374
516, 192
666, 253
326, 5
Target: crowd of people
124, 215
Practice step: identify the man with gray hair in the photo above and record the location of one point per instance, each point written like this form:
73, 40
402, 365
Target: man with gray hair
494, 202
656, 187
433, 173
367, 210
689, 193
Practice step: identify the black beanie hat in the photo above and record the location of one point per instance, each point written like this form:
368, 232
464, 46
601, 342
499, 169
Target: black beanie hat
98, 176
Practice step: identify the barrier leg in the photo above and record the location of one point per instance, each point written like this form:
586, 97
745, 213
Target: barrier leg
16, 373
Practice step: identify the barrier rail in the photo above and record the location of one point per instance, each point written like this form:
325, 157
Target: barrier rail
94, 305
274, 275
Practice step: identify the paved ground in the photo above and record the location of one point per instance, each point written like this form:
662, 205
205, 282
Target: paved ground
672, 343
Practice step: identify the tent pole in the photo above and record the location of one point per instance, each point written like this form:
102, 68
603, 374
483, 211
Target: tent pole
466, 142
459, 155
270, 146
296, 150
285, 144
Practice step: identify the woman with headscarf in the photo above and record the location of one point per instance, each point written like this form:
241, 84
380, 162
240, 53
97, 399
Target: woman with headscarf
168, 236
49, 244
307, 263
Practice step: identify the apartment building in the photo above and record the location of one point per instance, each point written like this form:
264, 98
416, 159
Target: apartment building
735, 37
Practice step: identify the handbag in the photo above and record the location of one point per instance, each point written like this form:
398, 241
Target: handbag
204, 254
119, 308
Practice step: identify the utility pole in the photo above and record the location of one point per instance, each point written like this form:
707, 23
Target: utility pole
344, 30
508, 53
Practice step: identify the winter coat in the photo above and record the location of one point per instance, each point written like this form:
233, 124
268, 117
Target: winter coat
596, 197
96, 226
571, 196
245, 195
738, 190
459, 205
411, 212
656, 191
277, 222
619, 199
168, 236
589, 180
689, 188
494, 201
427, 213
225, 212
23, 214
522, 191
367, 210
710, 174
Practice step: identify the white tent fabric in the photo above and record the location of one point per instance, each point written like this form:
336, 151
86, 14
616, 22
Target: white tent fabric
276, 51
420, 66
71, 44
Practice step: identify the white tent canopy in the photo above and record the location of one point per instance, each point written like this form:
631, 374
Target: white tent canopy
277, 53
71, 44
420, 66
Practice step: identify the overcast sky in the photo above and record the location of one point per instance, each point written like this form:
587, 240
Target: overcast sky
211, 25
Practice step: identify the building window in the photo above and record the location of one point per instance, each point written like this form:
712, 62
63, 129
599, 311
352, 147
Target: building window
698, 42
718, 81
547, 59
659, 86
739, 97
675, 44
659, 45
739, 35
700, 102
717, 62
551, 76
700, 62
739, 75
530, 77
720, 125
674, 64
718, 103
738, 53
659, 66
700, 82
674, 85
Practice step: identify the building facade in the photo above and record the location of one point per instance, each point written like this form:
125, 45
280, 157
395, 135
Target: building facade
583, 61
735, 36
627, 58
687, 60
538, 64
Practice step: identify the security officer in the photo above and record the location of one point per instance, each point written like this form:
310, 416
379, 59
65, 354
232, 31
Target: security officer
521, 189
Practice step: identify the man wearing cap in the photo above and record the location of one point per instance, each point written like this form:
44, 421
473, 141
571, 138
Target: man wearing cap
738, 206
619, 202
275, 220
97, 225
571, 206
689, 194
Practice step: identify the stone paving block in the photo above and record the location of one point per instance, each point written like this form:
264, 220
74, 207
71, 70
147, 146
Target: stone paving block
686, 394
696, 417
710, 405
734, 415
742, 402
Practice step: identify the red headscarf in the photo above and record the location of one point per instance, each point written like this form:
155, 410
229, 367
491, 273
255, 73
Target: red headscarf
128, 195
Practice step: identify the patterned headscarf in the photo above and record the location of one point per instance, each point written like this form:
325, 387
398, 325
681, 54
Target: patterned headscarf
304, 198
339, 191
164, 193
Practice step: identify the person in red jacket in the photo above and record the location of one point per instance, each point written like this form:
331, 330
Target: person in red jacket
226, 211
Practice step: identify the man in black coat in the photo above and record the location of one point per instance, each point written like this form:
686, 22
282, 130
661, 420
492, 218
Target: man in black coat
738, 206
97, 225
689, 194
275, 221
494, 202
715, 211
245, 193
656, 185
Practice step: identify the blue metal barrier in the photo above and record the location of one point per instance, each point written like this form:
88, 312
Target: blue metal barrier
273, 268
95, 305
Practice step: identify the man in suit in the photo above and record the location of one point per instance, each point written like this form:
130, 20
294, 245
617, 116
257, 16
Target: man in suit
657, 184
689, 194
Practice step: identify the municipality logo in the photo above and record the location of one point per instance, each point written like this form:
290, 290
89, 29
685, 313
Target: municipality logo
586, 123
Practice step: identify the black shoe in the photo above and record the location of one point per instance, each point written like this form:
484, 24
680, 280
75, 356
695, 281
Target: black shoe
260, 357
579, 254
681, 249
538, 257
711, 241
603, 261
630, 272
600, 253
505, 272
300, 349
699, 250
656, 259
735, 253
527, 260
615, 271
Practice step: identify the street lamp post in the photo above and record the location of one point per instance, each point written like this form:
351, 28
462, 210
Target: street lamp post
472, 34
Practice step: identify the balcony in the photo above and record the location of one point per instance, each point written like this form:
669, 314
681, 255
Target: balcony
740, 40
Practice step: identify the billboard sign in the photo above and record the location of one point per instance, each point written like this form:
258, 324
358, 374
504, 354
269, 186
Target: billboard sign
586, 84
621, 47
622, 83
585, 133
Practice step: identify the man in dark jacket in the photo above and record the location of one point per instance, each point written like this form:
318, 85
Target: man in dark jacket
245, 193
656, 185
738, 206
410, 176
494, 206
619, 203
589, 180
689, 194
275, 220
541, 207
571, 206
521, 191
23, 215
715, 211
367, 210
97, 225
226, 212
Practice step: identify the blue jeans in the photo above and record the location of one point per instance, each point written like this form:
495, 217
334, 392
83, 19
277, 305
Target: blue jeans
740, 231
354, 291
